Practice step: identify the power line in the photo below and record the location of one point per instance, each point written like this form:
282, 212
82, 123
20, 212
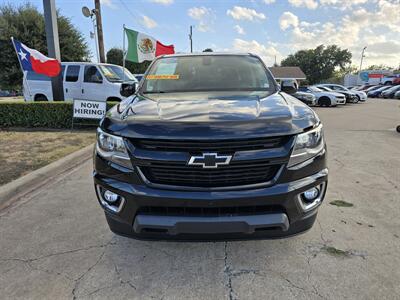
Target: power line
135, 15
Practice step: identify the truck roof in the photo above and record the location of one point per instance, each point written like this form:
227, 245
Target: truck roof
208, 54
86, 63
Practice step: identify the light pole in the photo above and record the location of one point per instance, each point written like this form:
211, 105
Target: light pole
362, 57
190, 38
359, 71
92, 14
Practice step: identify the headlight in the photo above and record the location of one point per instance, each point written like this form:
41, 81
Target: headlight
307, 145
112, 148
310, 97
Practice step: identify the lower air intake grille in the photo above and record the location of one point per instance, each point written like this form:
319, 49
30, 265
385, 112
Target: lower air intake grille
210, 211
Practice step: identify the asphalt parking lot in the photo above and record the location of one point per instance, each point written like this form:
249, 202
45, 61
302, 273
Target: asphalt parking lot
55, 243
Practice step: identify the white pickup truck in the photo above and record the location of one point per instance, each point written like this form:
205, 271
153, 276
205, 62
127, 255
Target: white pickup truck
81, 80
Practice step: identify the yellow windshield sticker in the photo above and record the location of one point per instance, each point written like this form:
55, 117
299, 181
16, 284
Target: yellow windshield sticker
158, 77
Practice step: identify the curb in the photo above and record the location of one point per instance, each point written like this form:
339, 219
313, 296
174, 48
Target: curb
28, 183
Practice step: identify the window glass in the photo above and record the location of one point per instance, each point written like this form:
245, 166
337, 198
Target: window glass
72, 73
92, 74
314, 89
208, 73
116, 73
31, 75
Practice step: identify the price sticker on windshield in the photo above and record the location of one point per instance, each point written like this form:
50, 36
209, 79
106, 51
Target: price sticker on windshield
158, 77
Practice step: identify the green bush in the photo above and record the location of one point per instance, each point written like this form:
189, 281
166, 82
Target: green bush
38, 114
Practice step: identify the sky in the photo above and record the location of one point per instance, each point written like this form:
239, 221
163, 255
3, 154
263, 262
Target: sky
269, 28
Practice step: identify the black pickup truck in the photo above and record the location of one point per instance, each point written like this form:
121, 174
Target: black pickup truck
210, 147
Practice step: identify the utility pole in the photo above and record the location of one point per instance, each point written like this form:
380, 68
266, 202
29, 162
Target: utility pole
99, 30
190, 38
53, 45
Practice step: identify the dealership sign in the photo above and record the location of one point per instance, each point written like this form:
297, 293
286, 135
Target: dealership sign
89, 109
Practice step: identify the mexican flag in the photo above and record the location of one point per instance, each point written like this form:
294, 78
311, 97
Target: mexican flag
142, 47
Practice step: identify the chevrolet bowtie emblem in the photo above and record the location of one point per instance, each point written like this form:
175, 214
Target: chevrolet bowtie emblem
210, 160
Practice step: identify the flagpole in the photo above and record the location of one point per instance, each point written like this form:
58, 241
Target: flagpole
123, 52
22, 70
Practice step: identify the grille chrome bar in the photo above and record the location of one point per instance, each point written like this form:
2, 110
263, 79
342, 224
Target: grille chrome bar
221, 146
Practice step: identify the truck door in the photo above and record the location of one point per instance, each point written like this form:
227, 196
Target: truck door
93, 85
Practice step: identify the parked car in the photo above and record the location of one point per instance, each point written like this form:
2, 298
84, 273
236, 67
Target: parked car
351, 97
391, 80
307, 98
324, 98
396, 81
389, 93
372, 88
4, 93
377, 92
397, 95
363, 87
81, 80
221, 153
361, 95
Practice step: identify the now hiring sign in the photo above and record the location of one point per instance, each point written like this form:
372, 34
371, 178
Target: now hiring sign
88, 109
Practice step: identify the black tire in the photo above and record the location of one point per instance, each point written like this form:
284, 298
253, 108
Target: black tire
357, 99
324, 101
40, 97
398, 128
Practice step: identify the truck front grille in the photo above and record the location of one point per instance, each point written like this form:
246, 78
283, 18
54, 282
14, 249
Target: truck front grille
165, 162
235, 174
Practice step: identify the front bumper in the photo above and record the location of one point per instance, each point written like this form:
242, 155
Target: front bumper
341, 101
363, 97
282, 215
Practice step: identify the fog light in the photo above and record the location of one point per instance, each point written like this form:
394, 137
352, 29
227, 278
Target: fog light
311, 194
109, 200
110, 197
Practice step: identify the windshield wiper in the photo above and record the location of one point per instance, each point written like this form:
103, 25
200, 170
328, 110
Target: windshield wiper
155, 92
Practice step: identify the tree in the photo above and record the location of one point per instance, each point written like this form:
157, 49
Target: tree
26, 24
320, 63
339, 74
208, 50
114, 56
379, 67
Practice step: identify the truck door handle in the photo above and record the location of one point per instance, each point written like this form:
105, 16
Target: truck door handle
83, 91
66, 90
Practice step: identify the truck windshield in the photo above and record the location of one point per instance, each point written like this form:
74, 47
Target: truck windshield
205, 73
116, 73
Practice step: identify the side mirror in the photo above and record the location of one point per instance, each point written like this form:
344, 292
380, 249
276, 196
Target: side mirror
289, 86
128, 89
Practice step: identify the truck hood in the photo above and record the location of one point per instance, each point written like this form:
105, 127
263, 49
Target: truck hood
205, 115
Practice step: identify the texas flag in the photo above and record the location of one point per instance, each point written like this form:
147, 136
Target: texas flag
33, 60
